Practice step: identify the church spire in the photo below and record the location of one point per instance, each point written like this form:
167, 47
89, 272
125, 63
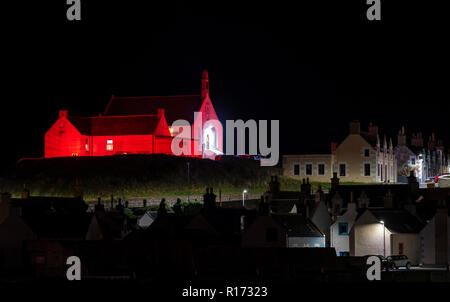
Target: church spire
205, 84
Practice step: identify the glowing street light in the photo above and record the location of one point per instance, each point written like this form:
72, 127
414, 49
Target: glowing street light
243, 197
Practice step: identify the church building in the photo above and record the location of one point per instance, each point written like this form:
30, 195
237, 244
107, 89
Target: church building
140, 125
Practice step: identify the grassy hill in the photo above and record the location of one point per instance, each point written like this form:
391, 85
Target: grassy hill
137, 176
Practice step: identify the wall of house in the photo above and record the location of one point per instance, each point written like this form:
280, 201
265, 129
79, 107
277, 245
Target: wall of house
255, 235
367, 237
122, 144
411, 246
302, 160
63, 139
427, 243
341, 243
306, 242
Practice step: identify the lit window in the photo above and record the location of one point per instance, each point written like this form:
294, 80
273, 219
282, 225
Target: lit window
109, 144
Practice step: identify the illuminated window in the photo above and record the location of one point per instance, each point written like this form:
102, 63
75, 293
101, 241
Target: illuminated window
109, 145
86, 145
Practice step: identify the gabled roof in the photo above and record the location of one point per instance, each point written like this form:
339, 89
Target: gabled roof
59, 226
370, 138
115, 125
297, 225
176, 107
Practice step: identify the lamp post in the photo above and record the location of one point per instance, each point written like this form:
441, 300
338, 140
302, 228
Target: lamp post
243, 197
384, 240
188, 179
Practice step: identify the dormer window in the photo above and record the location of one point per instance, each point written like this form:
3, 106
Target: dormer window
109, 145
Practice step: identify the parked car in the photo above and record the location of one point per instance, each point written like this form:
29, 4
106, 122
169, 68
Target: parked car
397, 261
444, 181
436, 179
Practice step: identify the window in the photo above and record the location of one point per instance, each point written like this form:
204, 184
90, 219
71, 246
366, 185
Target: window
321, 169
413, 160
378, 169
401, 250
366, 169
109, 145
296, 169
343, 228
342, 170
308, 169
271, 234
367, 152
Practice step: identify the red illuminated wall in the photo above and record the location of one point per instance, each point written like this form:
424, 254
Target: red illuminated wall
63, 139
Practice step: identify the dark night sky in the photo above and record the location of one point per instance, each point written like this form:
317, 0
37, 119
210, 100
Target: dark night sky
313, 66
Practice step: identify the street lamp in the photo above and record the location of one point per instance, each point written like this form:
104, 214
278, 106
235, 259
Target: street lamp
243, 197
384, 240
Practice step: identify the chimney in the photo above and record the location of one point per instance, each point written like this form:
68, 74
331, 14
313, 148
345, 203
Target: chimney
388, 200
63, 113
363, 200
209, 200
99, 207
25, 192
334, 181
401, 137
355, 127
205, 84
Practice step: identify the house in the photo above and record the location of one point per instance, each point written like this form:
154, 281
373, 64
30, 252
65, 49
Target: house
143, 125
340, 230
300, 231
386, 232
435, 239
360, 157
14, 232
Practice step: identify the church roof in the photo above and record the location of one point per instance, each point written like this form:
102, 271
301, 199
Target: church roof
115, 125
176, 107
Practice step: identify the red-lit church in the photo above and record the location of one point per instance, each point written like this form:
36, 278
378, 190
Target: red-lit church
137, 125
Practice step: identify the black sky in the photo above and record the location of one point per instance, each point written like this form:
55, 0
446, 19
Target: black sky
314, 65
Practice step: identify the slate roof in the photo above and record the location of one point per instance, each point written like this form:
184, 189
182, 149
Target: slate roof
59, 226
115, 125
297, 225
176, 107
370, 138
